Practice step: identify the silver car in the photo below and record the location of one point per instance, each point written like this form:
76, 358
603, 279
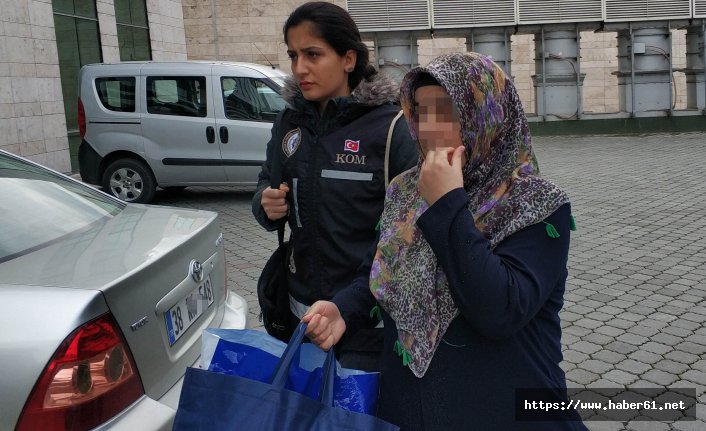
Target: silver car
102, 303
154, 124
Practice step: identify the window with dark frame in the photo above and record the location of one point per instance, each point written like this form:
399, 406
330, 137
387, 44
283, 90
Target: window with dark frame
133, 30
177, 95
250, 99
78, 43
117, 93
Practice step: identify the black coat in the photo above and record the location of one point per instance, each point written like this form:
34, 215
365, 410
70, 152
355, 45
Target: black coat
334, 165
507, 336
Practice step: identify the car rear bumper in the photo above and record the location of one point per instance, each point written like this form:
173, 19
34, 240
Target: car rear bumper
89, 162
147, 414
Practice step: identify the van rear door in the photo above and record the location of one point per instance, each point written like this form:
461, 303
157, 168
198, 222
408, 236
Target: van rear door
246, 105
178, 124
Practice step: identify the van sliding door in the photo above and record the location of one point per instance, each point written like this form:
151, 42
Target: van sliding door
179, 126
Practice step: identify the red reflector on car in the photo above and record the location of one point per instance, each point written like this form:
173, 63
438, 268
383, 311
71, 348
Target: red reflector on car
91, 378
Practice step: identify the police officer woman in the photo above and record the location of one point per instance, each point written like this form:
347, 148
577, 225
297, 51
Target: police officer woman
332, 141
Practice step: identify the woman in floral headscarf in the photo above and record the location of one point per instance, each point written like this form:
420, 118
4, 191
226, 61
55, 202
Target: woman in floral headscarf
470, 268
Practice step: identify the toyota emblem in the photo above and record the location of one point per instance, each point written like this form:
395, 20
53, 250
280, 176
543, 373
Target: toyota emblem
196, 270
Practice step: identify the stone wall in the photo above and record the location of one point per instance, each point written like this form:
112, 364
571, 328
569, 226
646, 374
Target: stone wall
32, 122
166, 24
238, 30
250, 30
32, 117
109, 31
166, 21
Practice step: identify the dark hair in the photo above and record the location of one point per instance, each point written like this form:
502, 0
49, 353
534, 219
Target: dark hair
424, 79
333, 24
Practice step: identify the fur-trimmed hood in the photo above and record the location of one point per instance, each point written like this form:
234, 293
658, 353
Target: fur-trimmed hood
379, 90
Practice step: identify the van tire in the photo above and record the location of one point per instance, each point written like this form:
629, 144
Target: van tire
129, 180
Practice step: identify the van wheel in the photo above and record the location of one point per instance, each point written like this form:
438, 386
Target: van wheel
129, 180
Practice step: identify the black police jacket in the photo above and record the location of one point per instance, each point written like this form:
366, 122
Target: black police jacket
334, 165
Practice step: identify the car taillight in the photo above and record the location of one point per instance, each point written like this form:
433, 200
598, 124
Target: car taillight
91, 377
81, 119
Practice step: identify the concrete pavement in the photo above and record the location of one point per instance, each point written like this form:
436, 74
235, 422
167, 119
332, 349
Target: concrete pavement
635, 304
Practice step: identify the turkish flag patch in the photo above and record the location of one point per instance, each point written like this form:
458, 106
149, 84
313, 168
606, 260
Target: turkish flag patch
351, 145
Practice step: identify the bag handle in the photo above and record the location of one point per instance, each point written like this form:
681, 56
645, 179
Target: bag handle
328, 378
279, 378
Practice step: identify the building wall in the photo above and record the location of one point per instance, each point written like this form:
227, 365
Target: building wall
599, 59
32, 122
32, 117
238, 30
108, 31
250, 30
166, 21
679, 61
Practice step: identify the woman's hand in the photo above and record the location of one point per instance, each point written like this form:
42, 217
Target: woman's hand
274, 202
442, 171
326, 326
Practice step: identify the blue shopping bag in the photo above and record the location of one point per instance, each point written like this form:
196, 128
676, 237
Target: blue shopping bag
214, 402
253, 354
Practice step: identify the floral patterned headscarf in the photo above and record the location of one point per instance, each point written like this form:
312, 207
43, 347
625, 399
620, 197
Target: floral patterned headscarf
501, 179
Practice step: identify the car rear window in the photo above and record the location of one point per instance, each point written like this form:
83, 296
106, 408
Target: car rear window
40, 207
117, 93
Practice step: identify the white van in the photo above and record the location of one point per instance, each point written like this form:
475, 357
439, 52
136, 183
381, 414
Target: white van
153, 124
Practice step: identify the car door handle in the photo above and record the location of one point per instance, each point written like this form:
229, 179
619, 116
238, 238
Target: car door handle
210, 134
223, 131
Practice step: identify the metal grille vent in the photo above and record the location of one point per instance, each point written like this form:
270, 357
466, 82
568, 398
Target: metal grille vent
380, 15
637, 10
540, 11
462, 13
699, 8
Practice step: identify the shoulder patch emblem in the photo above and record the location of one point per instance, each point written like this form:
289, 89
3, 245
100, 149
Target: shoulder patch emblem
291, 142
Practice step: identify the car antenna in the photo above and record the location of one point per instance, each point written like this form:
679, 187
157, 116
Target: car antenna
263, 55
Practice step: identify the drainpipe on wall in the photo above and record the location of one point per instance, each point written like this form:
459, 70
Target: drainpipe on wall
544, 78
632, 71
671, 72
579, 87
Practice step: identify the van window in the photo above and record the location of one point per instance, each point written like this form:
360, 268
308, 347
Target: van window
250, 99
117, 94
177, 95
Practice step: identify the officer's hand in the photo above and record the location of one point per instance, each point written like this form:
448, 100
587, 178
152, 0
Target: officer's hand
274, 202
326, 326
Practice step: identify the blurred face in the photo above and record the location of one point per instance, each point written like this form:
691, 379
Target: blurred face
320, 72
439, 123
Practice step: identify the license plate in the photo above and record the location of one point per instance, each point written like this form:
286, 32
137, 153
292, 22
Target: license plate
188, 310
